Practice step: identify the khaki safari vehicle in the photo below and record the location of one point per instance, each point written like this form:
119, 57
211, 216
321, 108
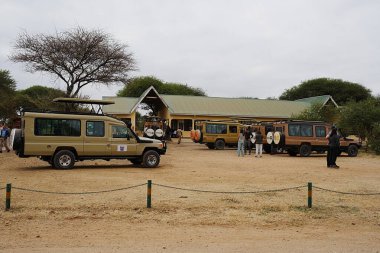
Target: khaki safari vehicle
216, 134
154, 127
304, 137
61, 138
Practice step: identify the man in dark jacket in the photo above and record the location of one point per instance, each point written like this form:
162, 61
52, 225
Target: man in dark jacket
247, 140
333, 150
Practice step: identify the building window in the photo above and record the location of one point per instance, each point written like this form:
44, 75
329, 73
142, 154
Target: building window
57, 127
95, 128
184, 124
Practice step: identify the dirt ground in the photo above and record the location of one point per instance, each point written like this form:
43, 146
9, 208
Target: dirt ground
185, 221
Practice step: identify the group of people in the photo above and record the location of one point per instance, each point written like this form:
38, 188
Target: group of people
245, 143
4, 135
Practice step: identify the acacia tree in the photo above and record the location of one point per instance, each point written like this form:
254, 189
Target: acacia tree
78, 57
341, 91
7, 92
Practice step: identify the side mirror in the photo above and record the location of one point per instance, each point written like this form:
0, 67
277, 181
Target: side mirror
129, 124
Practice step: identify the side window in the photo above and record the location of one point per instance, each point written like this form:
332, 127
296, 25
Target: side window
233, 129
121, 132
216, 128
320, 131
56, 127
95, 128
307, 130
278, 129
294, 130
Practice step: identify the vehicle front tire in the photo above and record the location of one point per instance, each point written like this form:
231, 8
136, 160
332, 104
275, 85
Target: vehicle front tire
64, 159
352, 151
219, 144
305, 150
151, 159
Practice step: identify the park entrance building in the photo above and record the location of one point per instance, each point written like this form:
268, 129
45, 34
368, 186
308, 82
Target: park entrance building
184, 111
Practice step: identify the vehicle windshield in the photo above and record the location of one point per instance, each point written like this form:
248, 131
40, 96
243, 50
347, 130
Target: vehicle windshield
122, 132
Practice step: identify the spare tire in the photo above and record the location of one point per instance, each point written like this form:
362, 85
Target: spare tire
149, 132
277, 137
192, 135
197, 135
253, 139
15, 139
269, 137
159, 133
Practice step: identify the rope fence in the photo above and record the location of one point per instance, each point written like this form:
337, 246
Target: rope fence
149, 184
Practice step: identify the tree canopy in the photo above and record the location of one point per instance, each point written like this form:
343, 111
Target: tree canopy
318, 112
78, 57
136, 86
341, 91
7, 93
40, 98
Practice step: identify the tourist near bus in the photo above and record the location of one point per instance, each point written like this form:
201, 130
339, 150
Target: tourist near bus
259, 144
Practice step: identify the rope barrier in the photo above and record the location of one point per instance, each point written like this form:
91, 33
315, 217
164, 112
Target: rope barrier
346, 193
231, 192
78, 193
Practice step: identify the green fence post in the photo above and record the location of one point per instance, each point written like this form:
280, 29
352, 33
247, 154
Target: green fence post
8, 197
309, 195
149, 195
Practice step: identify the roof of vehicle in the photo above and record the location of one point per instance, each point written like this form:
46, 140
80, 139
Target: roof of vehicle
83, 101
61, 115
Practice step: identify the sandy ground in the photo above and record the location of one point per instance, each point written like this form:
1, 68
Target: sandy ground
183, 221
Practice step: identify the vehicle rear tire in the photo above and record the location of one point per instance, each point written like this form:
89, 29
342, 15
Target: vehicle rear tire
352, 150
17, 140
305, 150
219, 144
64, 160
151, 159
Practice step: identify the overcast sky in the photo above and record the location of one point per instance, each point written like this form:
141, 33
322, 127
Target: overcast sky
228, 48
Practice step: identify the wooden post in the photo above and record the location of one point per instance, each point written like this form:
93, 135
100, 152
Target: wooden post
309, 195
8, 197
149, 195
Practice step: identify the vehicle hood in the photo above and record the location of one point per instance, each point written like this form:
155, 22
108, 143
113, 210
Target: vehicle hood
148, 140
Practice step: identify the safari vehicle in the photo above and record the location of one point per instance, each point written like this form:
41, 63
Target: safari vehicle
154, 127
216, 134
62, 138
304, 137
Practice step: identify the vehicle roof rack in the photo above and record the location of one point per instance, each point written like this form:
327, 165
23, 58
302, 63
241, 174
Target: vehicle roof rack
91, 102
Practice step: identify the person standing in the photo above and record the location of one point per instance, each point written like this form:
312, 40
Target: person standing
247, 140
4, 134
333, 149
179, 135
259, 144
240, 149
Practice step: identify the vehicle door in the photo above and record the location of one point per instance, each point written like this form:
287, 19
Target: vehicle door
232, 134
123, 141
96, 142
